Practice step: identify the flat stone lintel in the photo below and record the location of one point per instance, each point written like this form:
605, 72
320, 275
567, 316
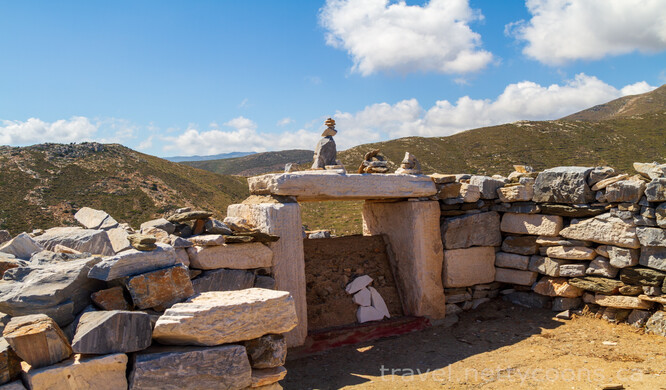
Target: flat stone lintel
322, 185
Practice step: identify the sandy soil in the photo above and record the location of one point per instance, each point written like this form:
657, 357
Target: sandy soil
498, 346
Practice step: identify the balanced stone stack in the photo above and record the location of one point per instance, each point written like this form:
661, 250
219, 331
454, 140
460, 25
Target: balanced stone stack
186, 301
565, 238
371, 305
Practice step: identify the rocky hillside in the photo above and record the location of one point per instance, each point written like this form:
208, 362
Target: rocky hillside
255, 164
44, 185
654, 101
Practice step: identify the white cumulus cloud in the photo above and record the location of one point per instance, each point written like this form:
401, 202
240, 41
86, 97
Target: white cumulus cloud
34, 130
381, 35
561, 31
242, 136
525, 100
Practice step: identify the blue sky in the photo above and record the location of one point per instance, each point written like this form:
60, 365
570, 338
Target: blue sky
206, 77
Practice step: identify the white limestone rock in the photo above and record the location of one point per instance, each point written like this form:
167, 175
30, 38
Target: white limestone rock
159, 223
95, 219
119, 241
235, 256
83, 240
467, 267
207, 240
363, 297
358, 284
604, 229
367, 314
378, 302
487, 185
563, 185
220, 317
22, 246
571, 252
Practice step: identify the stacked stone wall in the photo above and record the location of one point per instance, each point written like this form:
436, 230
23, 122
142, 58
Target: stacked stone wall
583, 239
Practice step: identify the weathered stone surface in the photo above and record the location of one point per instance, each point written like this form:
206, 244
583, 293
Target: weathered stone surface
467, 267
638, 318
571, 252
559, 241
263, 281
651, 170
563, 185
472, 230
236, 256
189, 216
283, 220
325, 152
82, 240
598, 174
642, 277
213, 226
161, 288
223, 280
517, 208
219, 317
111, 299
106, 332
514, 276
37, 339
133, 262
544, 225
378, 302
519, 193
267, 376
623, 257
528, 299
660, 215
597, 284
207, 240
95, 219
59, 289
448, 190
521, 245
172, 368
440, 178
572, 211
98, 372
511, 260
267, 351
363, 297
657, 323
326, 186
650, 236
118, 238
625, 191
562, 303
470, 193
573, 270
621, 302
417, 256
653, 257
601, 267
604, 229
557, 287
142, 242
487, 186
546, 265
10, 363
159, 223
22, 246
655, 191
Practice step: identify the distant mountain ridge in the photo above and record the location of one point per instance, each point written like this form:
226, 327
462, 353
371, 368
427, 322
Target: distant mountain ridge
650, 102
206, 158
255, 164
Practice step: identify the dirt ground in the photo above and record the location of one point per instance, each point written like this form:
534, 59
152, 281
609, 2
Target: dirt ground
332, 263
498, 346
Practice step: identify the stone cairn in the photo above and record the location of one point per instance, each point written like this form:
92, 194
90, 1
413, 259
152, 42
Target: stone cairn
373, 162
188, 300
580, 240
371, 305
325, 152
409, 166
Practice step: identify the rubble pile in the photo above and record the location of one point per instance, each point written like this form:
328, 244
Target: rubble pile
185, 301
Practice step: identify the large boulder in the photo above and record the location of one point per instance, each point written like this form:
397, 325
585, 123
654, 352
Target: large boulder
95, 219
105, 332
487, 185
653, 257
59, 290
534, 224
467, 267
37, 339
629, 191
83, 240
472, 230
22, 246
563, 185
133, 262
220, 367
236, 256
604, 229
655, 191
81, 372
219, 317
161, 288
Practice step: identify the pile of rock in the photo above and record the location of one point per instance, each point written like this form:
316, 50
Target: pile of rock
373, 162
562, 238
187, 299
371, 305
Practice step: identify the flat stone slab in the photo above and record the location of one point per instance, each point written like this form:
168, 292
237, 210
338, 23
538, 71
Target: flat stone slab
535, 224
222, 367
219, 317
105, 332
317, 185
133, 262
467, 267
234, 256
37, 339
604, 229
83, 240
160, 289
620, 301
98, 372
515, 276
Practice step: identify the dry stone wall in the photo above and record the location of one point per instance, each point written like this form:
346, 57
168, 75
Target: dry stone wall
186, 302
583, 239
